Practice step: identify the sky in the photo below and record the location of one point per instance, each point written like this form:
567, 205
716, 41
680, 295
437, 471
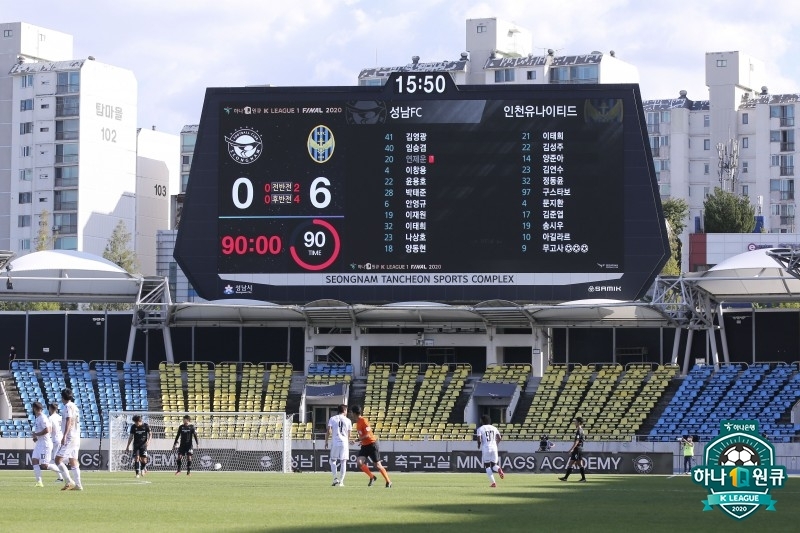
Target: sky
177, 48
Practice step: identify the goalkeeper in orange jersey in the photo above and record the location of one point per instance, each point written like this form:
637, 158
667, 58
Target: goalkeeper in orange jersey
369, 448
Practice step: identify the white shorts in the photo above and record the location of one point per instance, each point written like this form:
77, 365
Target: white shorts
490, 456
54, 446
42, 450
339, 452
69, 450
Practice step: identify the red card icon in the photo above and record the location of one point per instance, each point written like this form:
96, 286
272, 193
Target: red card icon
431, 160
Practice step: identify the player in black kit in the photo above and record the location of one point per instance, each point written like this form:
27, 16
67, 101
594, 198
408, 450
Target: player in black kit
140, 436
185, 433
576, 452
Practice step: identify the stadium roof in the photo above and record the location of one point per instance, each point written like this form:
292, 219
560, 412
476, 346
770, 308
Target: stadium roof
70, 276
67, 276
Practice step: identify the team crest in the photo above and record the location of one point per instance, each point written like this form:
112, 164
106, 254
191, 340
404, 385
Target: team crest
603, 110
244, 145
321, 144
739, 470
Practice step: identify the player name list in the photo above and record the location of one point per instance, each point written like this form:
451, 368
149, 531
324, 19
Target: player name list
518, 183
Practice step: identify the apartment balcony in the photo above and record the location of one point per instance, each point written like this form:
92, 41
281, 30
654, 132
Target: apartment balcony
787, 147
787, 171
653, 128
787, 122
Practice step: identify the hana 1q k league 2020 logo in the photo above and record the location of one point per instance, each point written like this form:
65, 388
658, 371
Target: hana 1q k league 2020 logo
739, 470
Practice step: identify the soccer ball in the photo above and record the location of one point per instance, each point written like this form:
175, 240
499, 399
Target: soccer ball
217, 466
739, 455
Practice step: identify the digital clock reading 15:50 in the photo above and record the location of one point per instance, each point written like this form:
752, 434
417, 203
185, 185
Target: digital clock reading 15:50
410, 83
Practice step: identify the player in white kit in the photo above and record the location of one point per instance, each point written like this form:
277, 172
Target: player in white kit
70, 442
488, 436
339, 428
43, 444
55, 436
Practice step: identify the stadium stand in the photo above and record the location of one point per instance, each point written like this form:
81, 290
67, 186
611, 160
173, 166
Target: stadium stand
135, 381
375, 399
109, 394
323, 373
278, 383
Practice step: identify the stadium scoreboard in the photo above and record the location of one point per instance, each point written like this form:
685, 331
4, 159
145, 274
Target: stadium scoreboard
421, 190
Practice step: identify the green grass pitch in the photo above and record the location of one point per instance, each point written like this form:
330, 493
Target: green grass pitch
305, 502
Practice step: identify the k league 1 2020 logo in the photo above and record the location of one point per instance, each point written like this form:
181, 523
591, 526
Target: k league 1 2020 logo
739, 470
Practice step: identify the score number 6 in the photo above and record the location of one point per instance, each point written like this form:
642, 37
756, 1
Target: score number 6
319, 193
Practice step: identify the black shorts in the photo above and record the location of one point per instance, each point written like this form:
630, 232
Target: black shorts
185, 450
140, 451
370, 451
577, 454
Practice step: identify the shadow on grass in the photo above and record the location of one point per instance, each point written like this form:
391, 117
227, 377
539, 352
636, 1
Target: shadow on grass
604, 504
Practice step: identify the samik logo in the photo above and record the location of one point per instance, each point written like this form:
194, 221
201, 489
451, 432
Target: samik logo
244, 145
739, 470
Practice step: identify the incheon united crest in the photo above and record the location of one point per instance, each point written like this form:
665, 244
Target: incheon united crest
321, 144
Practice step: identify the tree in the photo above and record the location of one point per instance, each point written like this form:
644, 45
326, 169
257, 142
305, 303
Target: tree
117, 250
676, 211
44, 238
726, 212
44, 241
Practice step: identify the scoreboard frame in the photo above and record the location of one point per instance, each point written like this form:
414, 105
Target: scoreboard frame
225, 263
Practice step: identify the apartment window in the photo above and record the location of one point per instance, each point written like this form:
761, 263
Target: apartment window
8, 33
67, 153
24, 244
481, 28
745, 142
25, 151
745, 165
745, 190
25, 128
26, 105
530, 75
24, 221
706, 192
706, 121
25, 174
188, 140
774, 160
706, 144
722, 62
706, 168
65, 223
68, 82
67, 130
67, 106
784, 188
184, 182
745, 118
44, 106
65, 243
783, 210
504, 75
785, 114
26, 80
784, 137
661, 164
44, 130
664, 189
66, 200
786, 165
66, 176
24, 198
